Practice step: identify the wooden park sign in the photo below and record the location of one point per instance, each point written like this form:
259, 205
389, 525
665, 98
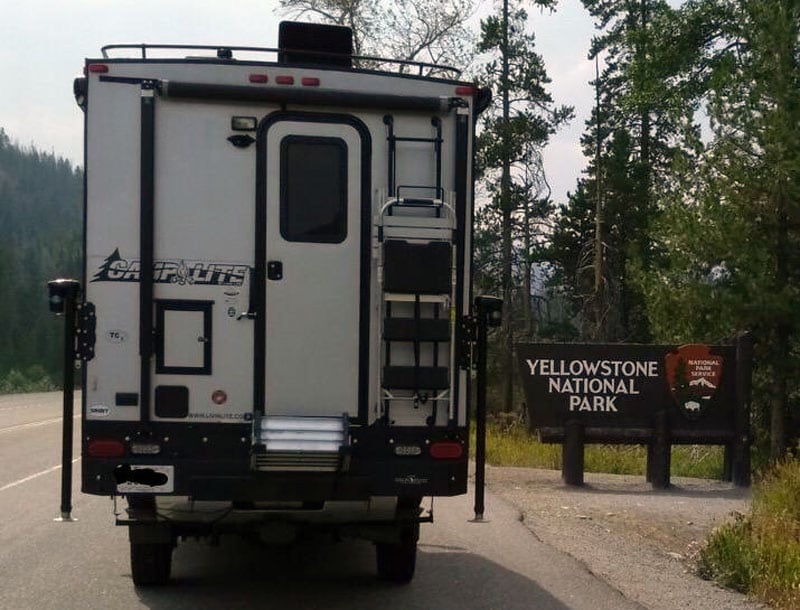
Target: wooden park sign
657, 395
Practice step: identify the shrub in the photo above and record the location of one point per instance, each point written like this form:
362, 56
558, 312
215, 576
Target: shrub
33, 379
759, 553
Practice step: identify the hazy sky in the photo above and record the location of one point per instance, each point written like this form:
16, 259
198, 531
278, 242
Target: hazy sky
43, 44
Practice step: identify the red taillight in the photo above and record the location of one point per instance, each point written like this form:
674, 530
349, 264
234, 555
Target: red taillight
284, 80
106, 448
310, 81
259, 78
447, 450
466, 90
97, 68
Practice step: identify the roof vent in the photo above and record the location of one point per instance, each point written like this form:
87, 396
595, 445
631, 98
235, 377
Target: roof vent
315, 43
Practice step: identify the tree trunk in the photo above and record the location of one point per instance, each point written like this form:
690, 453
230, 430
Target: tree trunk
644, 136
780, 400
527, 266
779, 403
507, 333
527, 302
505, 204
599, 333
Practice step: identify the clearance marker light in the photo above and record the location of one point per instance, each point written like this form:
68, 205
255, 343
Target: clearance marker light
447, 450
106, 448
219, 397
466, 90
310, 81
259, 78
284, 80
97, 68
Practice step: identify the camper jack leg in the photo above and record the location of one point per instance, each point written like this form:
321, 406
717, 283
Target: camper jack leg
63, 296
489, 310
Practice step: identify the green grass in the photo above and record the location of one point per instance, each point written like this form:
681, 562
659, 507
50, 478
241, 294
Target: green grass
513, 445
759, 553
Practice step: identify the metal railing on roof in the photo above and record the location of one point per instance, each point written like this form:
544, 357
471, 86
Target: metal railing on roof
225, 53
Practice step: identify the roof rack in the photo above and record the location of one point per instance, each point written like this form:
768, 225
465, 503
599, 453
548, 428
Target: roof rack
226, 53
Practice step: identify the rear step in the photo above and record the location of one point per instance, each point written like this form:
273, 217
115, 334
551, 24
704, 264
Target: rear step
312, 444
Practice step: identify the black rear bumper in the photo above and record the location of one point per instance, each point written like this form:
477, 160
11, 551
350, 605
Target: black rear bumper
213, 462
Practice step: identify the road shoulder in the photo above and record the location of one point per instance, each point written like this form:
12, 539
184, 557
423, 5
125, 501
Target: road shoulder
640, 541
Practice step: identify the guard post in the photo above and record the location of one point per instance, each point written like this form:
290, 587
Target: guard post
572, 453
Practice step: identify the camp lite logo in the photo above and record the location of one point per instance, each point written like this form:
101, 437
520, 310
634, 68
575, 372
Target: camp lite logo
196, 273
693, 374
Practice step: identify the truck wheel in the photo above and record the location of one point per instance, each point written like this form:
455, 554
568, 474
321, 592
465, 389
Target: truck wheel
397, 561
151, 563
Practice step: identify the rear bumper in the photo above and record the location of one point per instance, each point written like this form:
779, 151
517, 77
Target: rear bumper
213, 462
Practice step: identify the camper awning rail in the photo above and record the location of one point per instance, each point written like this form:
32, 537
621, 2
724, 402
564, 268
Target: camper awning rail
225, 53
172, 89
306, 97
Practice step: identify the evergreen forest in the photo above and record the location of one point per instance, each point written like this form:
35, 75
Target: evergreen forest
40, 213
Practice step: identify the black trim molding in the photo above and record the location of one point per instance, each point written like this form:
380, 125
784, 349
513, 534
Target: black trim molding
146, 242
462, 187
164, 305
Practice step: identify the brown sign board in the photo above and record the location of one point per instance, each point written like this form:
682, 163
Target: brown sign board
623, 386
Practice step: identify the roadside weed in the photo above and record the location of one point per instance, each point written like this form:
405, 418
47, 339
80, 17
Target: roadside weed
759, 553
509, 443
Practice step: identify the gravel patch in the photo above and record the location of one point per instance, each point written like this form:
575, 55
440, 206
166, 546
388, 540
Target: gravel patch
641, 541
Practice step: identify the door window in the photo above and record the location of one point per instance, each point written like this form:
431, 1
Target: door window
313, 199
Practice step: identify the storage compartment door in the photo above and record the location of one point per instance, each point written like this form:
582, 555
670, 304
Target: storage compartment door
183, 330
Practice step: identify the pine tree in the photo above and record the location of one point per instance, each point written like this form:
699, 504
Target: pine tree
632, 139
730, 234
519, 123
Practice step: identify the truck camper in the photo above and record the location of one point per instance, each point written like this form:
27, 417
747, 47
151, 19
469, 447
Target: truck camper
276, 303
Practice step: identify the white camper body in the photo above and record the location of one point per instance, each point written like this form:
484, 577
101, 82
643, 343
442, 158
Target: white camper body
277, 252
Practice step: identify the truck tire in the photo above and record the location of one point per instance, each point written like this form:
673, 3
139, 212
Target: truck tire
396, 561
151, 563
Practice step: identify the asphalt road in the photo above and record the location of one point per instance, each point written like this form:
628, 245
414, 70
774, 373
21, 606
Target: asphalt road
83, 564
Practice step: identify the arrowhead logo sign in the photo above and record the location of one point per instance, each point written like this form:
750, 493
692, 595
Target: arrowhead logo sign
693, 374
